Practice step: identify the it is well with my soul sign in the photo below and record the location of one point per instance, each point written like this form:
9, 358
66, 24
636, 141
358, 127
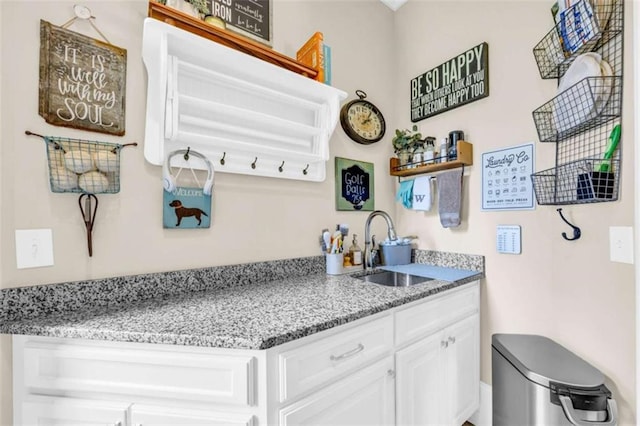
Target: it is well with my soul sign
82, 81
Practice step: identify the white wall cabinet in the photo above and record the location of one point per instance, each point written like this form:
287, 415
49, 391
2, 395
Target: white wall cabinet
416, 364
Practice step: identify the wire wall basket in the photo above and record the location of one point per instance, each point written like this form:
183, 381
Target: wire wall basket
83, 166
590, 103
590, 180
584, 27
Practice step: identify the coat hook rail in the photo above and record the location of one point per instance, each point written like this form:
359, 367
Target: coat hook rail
576, 231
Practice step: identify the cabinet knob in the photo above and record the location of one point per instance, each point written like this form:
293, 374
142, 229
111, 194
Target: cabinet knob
452, 339
444, 343
391, 373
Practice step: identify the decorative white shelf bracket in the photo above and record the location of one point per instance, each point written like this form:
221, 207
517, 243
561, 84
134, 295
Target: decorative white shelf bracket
225, 103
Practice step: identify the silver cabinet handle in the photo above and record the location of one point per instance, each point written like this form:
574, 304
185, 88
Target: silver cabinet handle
452, 339
348, 354
444, 343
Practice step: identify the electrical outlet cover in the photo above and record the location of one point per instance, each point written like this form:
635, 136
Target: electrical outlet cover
34, 248
621, 244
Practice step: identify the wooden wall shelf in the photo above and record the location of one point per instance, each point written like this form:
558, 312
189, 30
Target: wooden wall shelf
227, 38
465, 158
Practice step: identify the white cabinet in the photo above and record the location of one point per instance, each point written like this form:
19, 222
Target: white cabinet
141, 415
417, 364
313, 364
70, 412
419, 370
439, 376
463, 372
363, 398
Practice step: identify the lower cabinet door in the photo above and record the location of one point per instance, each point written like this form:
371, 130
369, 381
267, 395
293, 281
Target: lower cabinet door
464, 367
362, 398
70, 412
420, 397
146, 415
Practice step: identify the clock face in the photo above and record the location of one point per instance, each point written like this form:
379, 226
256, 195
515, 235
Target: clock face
362, 122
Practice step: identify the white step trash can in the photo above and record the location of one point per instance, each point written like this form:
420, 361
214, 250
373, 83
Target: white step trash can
536, 381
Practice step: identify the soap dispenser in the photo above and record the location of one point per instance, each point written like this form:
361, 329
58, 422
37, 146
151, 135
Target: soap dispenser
355, 252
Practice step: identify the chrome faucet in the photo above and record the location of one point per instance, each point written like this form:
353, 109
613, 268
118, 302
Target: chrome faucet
368, 257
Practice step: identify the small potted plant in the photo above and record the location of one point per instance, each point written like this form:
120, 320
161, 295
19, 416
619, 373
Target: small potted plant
404, 142
195, 8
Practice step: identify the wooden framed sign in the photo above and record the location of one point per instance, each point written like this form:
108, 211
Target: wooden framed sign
354, 185
251, 18
82, 81
457, 82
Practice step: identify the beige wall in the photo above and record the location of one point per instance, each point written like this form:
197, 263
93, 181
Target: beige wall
568, 291
261, 219
253, 218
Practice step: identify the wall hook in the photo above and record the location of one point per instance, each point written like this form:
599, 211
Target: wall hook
224, 154
186, 154
281, 168
576, 231
253, 165
304, 172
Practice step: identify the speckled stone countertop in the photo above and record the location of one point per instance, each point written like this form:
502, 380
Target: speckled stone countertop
252, 306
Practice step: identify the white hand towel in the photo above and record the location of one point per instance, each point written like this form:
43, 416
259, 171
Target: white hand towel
422, 193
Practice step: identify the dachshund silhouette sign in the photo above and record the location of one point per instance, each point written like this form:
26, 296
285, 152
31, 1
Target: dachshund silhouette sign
186, 208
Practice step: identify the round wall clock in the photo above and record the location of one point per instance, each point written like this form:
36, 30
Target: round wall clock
362, 121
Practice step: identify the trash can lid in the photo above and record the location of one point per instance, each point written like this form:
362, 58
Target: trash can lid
542, 360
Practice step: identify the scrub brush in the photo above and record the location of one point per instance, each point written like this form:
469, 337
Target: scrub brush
614, 138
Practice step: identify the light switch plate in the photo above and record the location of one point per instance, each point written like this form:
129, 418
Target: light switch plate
34, 248
621, 244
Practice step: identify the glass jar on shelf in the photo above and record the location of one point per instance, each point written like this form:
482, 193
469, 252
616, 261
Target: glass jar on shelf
418, 154
430, 150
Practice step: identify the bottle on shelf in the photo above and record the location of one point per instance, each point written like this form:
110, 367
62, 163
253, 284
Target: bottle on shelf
444, 150
355, 252
430, 151
418, 154
454, 137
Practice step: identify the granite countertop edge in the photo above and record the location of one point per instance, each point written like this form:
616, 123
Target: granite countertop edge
67, 326
249, 306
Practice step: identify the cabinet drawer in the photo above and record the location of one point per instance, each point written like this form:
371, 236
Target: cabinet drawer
434, 314
91, 370
321, 361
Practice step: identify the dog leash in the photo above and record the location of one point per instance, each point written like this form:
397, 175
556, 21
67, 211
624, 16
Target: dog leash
88, 217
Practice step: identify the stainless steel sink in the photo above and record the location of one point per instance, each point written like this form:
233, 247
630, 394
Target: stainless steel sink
392, 279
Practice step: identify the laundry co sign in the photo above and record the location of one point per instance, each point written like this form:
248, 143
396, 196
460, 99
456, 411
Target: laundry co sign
456, 82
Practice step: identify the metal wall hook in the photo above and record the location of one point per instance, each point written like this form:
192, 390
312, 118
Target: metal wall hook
305, 171
224, 154
186, 154
253, 165
576, 231
281, 168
